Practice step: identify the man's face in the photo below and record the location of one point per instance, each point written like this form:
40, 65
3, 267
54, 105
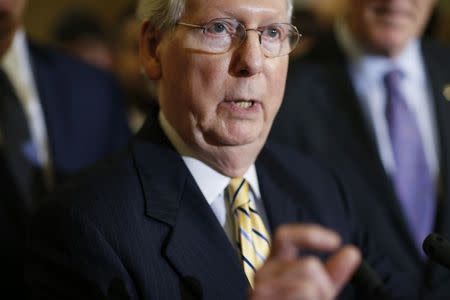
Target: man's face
228, 99
10, 17
386, 26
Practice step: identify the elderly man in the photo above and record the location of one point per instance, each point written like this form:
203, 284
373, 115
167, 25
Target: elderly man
192, 209
57, 116
369, 102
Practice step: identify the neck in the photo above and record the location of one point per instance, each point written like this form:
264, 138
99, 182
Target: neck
232, 161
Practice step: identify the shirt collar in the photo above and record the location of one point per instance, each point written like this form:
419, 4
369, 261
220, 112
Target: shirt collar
17, 65
211, 183
14, 57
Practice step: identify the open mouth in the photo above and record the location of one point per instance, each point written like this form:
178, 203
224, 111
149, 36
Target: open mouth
244, 103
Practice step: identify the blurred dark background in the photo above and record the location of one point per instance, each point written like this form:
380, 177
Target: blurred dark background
41, 15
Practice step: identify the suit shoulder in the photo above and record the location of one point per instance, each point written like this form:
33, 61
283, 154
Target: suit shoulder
437, 57
315, 67
434, 47
297, 164
48, 57
101, 187
79, 83
315, 189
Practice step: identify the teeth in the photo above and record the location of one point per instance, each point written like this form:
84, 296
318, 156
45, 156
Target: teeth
244, 104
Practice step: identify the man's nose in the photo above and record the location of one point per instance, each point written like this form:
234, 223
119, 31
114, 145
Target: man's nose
249, 56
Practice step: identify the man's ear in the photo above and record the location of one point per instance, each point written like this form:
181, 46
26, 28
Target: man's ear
149, 41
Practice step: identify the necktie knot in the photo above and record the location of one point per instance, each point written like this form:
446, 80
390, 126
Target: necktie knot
238, 190
393, 77
396, 105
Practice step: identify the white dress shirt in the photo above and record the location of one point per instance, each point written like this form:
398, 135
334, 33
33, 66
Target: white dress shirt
212, 184
16, 64
367, 73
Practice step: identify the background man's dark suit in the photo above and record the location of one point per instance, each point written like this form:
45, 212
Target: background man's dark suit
140, 226
83, 111
85, 122
321, 116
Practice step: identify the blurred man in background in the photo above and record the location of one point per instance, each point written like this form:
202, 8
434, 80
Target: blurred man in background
57, 116
80, 33
139, 91
369, 102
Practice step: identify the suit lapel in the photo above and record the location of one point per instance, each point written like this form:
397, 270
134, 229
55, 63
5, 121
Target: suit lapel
50, 87
196, 246
342, 106
12, 207
279, 206
439, 77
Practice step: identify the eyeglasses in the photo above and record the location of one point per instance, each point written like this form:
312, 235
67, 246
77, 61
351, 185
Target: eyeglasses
221, 35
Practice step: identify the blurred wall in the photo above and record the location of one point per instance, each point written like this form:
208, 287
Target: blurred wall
41, 14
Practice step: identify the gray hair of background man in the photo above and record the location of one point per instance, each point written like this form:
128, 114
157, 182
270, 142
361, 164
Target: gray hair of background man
164, 14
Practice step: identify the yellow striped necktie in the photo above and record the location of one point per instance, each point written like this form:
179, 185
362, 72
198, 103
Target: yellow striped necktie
251, 235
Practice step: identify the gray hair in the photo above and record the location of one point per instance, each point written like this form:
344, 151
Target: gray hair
164, 14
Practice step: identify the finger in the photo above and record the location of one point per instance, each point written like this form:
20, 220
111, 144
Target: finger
308, 272
263, 292
342, 265
289, 239
307, 288
286, 269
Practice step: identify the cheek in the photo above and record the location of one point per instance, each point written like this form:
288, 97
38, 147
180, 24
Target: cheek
276, 84
208, 81
202, 83
213, 73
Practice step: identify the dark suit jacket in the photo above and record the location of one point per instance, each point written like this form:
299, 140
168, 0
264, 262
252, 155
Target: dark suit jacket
139, 227
83, 110
321, 116
85, 122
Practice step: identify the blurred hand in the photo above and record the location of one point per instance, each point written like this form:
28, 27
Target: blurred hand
285, 275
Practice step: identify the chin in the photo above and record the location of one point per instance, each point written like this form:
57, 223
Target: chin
249, 136
389, 44
241, 139
235, 141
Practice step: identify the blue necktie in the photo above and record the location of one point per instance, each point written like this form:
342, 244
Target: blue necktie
411, 179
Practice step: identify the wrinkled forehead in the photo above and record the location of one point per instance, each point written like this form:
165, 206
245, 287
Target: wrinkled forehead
239, 9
